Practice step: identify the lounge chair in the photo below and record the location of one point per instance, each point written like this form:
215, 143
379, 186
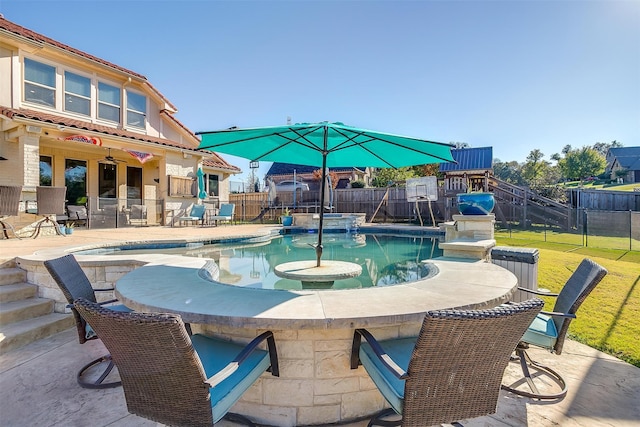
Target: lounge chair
451, 371
9, 206
74, 284
549, 329
196, 214
173, 378
224, 214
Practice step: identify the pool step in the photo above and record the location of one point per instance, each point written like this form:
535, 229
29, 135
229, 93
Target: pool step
24, 317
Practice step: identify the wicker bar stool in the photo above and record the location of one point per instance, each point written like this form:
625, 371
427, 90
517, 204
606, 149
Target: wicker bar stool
74, 284
549, 329
451, 371
173, 378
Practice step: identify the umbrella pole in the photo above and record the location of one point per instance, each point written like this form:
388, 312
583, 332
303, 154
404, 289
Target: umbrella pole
322, 196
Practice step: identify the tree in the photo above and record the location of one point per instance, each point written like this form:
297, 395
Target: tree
460, 144
603, 147
317, 176
432, 169
535, 168
384, 177
510, 172
581, 163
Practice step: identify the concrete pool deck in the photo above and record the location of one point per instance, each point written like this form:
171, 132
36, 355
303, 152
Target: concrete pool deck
37, 382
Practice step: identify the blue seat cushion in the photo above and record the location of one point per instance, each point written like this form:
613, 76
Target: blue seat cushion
390, 386
542, 332
88, 330
214, 355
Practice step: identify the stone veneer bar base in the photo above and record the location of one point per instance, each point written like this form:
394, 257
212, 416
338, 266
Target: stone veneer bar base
316, 385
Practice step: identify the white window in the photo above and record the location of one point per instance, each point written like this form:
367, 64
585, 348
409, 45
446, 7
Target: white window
136, 109
77, 93
108, 102
39, 83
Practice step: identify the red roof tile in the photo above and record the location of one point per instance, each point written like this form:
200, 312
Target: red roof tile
32, 35
215, 161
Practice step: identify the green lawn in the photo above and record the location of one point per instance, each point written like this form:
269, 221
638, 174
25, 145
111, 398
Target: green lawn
598, 185
609, 320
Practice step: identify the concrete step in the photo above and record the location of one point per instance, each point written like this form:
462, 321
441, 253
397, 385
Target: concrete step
17, 334
9, 276
17, 311
17, 292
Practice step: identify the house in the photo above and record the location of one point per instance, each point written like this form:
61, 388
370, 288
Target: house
473, 168
279, 172
68, 118
624, 159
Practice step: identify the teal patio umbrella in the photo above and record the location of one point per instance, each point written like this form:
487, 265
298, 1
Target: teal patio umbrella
202, 194
326, 145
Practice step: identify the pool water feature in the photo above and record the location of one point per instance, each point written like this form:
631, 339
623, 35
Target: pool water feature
386, 260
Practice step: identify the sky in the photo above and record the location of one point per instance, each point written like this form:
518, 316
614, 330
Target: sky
514, 75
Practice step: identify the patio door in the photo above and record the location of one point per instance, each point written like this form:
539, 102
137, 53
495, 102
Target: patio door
107, 184
134, 186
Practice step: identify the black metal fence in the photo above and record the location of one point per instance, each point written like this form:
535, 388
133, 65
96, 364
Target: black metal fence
581, 227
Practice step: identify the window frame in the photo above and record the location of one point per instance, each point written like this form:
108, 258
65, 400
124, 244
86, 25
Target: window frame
108, 104
209, 180
67, 93
48, 163
133, 111
43, 86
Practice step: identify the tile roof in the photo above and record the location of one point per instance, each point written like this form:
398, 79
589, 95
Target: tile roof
8, 26
21, 31
627, 157
469, 159
217, 162
11, 113
287, 169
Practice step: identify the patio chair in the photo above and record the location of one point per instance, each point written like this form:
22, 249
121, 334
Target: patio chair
77, 214
50, 203
196, 214
451, 371
74, 284
173, 378
9, 206
225, 213
549, 329
138, 215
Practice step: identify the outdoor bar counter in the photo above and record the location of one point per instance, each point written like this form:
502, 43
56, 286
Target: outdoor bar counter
313, 328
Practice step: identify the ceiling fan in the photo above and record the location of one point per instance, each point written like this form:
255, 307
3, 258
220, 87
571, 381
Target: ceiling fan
109, 159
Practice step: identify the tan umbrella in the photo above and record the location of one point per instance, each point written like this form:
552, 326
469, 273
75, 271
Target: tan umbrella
272, 192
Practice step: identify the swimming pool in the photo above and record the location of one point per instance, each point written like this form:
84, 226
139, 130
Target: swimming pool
385, 259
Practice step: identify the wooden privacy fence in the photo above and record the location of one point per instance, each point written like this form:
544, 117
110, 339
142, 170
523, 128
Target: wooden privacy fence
605, 200
394, 207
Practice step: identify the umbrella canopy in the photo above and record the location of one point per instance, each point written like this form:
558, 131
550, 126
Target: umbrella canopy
326, 145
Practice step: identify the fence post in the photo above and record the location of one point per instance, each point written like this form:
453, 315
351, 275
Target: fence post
630, 229
524, 209
585, 229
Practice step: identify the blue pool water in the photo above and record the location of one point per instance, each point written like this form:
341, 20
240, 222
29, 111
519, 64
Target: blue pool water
385, 259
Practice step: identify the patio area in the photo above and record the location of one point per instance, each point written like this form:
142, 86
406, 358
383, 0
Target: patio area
38, 387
